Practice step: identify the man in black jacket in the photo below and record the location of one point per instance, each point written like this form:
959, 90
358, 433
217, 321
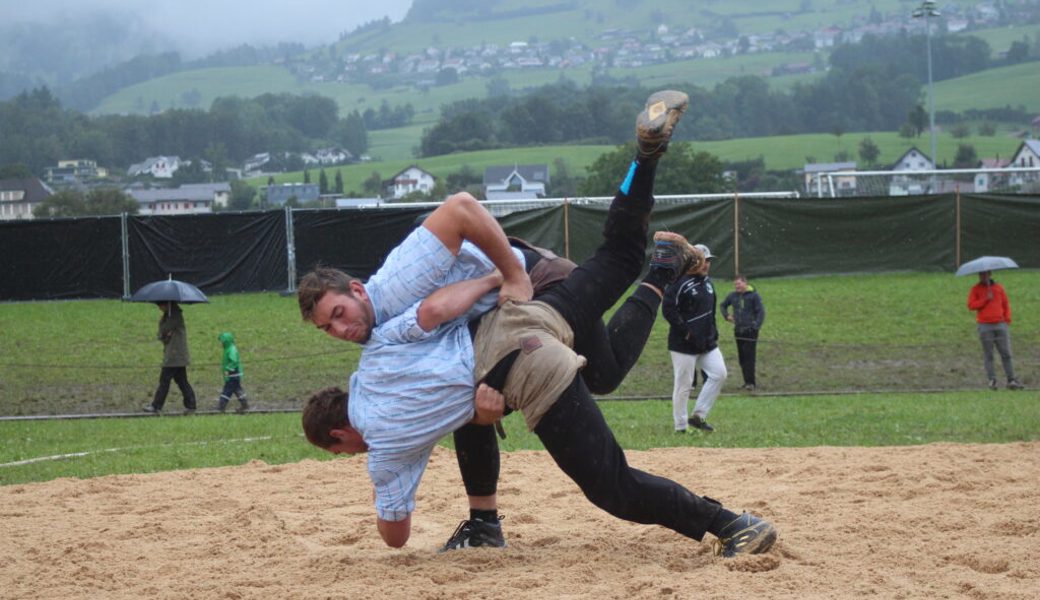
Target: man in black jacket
748, 316
693, 342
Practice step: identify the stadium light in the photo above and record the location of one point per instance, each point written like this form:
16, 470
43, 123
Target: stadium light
926, 11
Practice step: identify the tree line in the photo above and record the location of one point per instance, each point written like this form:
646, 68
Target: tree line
37, 131
873, 85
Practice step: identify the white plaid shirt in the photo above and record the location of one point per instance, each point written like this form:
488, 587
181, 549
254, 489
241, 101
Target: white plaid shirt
413, 387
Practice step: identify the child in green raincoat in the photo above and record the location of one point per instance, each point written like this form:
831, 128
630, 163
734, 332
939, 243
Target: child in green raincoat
232, 367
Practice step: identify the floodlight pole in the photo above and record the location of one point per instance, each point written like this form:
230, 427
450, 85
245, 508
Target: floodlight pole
926, 11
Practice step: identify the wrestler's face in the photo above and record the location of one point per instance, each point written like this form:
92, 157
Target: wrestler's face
344, 316
350, 441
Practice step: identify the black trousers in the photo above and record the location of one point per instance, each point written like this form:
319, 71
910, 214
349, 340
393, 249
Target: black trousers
747, 344
180, 376
574, 430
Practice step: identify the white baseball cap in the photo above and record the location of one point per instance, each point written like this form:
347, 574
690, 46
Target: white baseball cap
704, 250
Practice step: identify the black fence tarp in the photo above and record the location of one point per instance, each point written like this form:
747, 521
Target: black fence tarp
238, 252
354, 241
1001, 226
219, 253
813, 236
57, 259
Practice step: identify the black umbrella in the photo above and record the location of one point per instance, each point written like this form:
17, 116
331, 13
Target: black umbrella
169, 290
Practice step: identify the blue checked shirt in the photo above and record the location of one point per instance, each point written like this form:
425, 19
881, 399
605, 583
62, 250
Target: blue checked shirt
413, 387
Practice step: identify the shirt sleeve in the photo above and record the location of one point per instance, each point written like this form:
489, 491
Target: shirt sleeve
396, 479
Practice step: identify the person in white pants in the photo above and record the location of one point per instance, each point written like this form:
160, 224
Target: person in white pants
689, 307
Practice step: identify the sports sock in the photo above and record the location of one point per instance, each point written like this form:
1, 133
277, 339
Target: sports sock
639, 181
487, 516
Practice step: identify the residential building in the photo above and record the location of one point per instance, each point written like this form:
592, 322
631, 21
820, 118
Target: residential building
255, 163
19, 196
74, 171
985, 182
333, 156
191, 198
281, 193
913, 160
412, 179
904, 183
818, 184
1027, 156
159, 167
518, 182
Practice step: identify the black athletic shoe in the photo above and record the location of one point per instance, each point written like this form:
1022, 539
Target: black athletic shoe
1013, 384
149, 408
475, 533
747, 534
700, 423
655, 124
992, 384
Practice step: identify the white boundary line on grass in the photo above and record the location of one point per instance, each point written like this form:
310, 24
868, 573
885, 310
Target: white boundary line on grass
30, 461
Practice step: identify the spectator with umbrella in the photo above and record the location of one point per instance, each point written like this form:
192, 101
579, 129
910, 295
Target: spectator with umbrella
993, 315
168, 295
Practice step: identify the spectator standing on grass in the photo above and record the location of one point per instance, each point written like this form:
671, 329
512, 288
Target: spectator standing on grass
993, 315
174, 337
693, 342
748, 316
232, 368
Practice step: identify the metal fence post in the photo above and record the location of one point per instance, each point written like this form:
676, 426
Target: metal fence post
290, 249
124, 233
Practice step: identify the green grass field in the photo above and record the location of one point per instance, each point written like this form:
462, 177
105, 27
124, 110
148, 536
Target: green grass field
823, 334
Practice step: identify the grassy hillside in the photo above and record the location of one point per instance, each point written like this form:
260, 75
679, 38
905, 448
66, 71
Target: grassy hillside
993, 88
392, 152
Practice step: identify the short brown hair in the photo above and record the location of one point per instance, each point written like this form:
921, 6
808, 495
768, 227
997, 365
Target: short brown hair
740, 277
325, 410
314, 285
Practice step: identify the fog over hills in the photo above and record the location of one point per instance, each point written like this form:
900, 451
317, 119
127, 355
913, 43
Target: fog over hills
56, 41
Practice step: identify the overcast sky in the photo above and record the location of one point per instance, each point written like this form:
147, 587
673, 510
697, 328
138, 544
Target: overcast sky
201, 26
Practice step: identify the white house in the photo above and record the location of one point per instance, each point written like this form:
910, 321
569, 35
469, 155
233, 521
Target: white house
985, 182
19, 196
412, 179
518, 182
332, 156
188, 199
913, 160
159, 167
904, 185
256, 162
1027, 156
818, 184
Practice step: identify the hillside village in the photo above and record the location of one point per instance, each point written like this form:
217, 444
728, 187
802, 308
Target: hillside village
624, 48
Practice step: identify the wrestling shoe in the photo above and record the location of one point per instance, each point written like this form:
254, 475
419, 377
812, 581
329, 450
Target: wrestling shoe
673, 255
655, 124
700, 423
747, 534
475, 533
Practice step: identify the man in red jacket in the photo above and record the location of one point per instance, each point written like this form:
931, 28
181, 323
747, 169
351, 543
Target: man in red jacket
993, 315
